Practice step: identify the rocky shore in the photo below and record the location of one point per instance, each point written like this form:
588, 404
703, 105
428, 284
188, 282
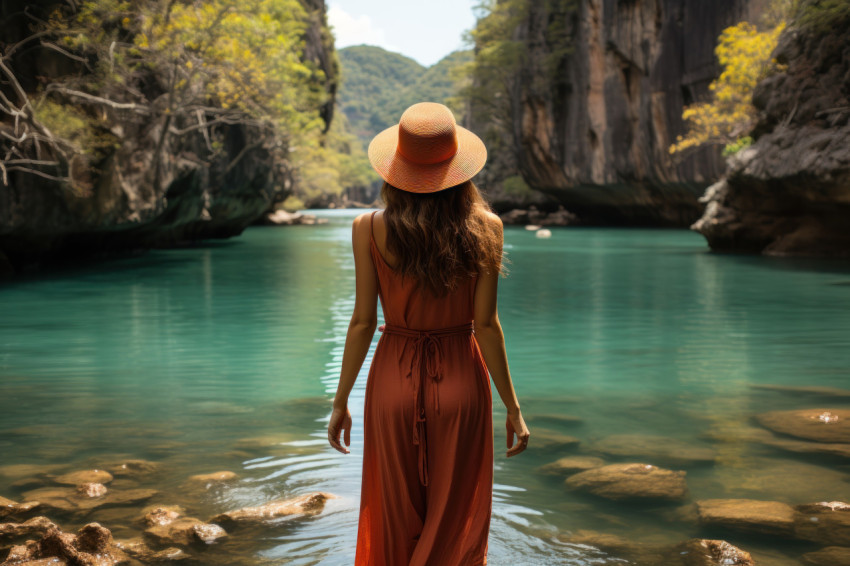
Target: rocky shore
30, 534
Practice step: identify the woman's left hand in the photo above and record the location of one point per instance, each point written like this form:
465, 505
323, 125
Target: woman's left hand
340, 420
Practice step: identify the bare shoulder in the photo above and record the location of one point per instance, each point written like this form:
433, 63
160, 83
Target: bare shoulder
361, 220
494, 219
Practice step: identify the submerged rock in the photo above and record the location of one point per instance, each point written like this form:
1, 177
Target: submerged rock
68, 499
824, 523
309, 503
137, 549
829, 556
133, 468
9, 508
548, 439
704, 552
91, 489
658, 448
747, 515
161, 514
84, 476
808, 390
631, 481
572, 464
216, 477
184, 531
819, 425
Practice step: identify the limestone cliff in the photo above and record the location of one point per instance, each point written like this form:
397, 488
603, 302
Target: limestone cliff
191, 197
595, 134
789, 193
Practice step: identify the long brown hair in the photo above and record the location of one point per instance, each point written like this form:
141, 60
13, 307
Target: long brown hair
443, 237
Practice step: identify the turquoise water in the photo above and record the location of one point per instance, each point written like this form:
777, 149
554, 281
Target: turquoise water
226, 357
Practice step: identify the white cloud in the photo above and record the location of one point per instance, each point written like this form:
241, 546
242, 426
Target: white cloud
355, 30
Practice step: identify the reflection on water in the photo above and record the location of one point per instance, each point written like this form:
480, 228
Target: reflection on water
625, 345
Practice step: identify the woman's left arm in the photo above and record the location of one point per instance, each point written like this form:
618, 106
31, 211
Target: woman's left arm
361, 329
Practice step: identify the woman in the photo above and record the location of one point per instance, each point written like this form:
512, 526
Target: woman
434, 256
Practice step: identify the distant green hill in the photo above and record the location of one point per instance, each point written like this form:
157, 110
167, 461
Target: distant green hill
378, 85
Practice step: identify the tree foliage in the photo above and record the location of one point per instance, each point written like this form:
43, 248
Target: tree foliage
744, 54
191, 67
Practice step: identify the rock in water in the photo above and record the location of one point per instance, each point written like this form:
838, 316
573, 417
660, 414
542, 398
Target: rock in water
92, 546
309, 503
85, 476
819, 425
664, 450
572, 465
824, 523
747, 515
703, 552
216, 477
631, 481
829, 556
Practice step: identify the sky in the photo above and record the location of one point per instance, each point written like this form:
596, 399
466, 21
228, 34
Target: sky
425, 30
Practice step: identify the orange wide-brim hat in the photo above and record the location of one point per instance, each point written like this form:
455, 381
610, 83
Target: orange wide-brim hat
427, 151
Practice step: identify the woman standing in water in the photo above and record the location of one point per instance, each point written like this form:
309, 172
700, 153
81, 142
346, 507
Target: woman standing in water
434, 257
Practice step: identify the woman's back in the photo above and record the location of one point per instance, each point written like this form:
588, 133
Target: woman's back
406, 305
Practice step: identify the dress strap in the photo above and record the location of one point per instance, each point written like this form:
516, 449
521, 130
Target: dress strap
372, 224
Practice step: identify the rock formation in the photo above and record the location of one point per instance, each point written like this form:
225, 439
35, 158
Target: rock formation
194, 198
789, 193
595, 133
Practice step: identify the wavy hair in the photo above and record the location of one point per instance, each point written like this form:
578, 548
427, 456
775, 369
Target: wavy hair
442, 238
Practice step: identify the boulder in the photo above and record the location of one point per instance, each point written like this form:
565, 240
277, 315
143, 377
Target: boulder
819, 425
10, 532
660, 449
824, 523
747, 515
829, 556
184, 531
307, 504
631, 480
572, 464
91, 546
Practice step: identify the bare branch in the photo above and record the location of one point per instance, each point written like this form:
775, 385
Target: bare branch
68, 54
30, 162
39, 173
14, 47
99, 100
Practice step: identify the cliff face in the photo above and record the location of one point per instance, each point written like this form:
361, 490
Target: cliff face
194, 198
595, 136
789, 193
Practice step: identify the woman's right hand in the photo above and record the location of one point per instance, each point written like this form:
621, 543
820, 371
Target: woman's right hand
516, 426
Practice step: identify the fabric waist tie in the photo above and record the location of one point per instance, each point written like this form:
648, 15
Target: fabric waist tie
426, 363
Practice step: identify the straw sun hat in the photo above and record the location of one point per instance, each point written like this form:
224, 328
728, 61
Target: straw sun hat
427, 151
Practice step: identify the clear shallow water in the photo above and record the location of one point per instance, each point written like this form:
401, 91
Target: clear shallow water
227, 356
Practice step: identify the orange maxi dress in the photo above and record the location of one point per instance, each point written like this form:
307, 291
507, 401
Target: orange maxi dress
427, 486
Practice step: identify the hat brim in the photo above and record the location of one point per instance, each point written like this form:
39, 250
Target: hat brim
404, 174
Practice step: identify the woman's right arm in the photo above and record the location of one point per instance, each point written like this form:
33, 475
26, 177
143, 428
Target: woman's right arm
491, 341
